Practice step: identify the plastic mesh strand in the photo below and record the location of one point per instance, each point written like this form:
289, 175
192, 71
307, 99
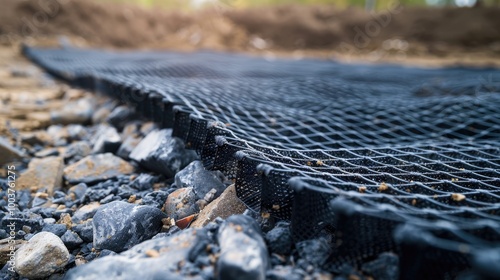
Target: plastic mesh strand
342, 132
434, 243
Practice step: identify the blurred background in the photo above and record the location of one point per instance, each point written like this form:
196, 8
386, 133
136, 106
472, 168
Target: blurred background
370, 4
457, 31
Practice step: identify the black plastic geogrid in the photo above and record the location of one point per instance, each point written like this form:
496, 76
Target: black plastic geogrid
381, 158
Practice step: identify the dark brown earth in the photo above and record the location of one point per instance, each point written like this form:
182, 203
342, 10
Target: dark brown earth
397, 33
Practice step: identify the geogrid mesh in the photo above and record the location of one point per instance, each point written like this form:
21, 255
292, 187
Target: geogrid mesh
381, 158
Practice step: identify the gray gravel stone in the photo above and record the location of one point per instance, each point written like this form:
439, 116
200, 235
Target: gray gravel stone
43, 255
144, 182
76, 132
162, 153
26, 218
85, 212
243, 251
85, 231
119, 225
314, 251
57, 229
71, 239
279, 239
160, 258
76, 151
74, 112
120, 116
202, 181
106, 252
107, 140
58, 135
155, 199
78, 192
385, 267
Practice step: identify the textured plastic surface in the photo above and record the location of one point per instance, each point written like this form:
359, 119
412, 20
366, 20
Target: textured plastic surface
379, 158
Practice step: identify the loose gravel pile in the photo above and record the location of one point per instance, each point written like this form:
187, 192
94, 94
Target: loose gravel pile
100, 192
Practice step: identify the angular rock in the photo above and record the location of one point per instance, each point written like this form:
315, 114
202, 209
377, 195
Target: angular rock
109, 199
160, 258
120, 116
76, 151
43, 173
225, 205
20, 219
144, 182
202, 181
279, 239
57, 229
162, 153
181, 203
58, 134
101, 190
5, 249
74, 112
77, 193
119, 225
47, 153
85, 231
107, 140
71, 239
85, 212
385, 267
23, 199
105, 253
243, 252
128, 146
76, 132
97, 168
47, 212
25, 218
9, 153
314, 251
43, 255
155, 199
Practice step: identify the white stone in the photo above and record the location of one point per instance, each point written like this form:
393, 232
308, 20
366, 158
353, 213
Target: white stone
43, 255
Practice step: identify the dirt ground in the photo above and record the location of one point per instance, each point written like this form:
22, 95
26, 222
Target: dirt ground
398, 34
